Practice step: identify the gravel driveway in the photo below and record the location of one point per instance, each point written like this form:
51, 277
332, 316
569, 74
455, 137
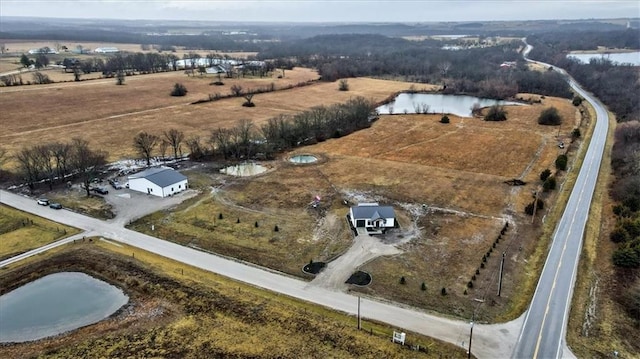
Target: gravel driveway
130, 205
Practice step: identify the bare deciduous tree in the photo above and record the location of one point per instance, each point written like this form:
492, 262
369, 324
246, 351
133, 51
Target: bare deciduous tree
86, 162
144, 143
221, 141
236, 90
28, 166
196, 151
174, 138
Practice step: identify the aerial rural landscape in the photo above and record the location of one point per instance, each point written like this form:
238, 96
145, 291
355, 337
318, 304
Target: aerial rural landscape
182, 187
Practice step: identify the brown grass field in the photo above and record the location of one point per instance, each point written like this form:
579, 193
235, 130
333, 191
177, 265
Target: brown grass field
99, 110
406, 160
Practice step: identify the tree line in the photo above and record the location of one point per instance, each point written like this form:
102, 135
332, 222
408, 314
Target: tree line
57, 162
248, 141
474, 71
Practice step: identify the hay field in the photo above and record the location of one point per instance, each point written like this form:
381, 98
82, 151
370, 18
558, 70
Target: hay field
108, 116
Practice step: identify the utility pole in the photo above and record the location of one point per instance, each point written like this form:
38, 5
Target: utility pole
359, 321
470, 337
535, 206
501, 271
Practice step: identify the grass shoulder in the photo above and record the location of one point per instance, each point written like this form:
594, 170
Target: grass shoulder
21, 232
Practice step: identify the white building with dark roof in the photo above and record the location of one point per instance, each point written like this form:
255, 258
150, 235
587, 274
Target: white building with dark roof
374, 218
158, 181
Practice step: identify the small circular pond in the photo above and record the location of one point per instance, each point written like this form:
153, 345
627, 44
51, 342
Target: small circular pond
244, 169
56, 304
303, 159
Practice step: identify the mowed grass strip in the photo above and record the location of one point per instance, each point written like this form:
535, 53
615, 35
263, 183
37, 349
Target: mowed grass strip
21, 232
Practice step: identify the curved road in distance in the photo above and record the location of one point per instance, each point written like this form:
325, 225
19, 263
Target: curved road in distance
544, 329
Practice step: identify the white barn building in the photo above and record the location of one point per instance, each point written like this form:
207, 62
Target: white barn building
158, 181
374, 218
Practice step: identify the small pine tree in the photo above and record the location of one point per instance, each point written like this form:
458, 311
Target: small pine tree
465, 292
443, 291
561, 162
545, 174
549, 184
238, 220
423, 287
276, 229
470, 284
256, 224
402, 280
482, 265
220, 216
473, 277
444, 119
576, 133
484, 259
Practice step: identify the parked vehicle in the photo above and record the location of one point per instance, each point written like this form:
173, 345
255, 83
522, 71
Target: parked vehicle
43, 201
115, 184
100, 190
55, 206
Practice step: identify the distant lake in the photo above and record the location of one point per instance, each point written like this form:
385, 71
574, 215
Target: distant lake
632, 58
458, 105
56, 304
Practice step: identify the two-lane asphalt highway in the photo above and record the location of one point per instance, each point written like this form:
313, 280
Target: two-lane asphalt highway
543, 332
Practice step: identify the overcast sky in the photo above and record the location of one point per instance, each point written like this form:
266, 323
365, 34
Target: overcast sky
325, 11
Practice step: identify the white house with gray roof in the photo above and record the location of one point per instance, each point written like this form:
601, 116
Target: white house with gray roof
374, 218
158, 181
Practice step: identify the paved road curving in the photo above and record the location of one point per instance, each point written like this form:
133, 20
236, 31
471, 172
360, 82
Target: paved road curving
544, 329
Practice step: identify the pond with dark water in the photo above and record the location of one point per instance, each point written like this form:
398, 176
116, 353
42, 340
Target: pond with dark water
459, 105
56, 304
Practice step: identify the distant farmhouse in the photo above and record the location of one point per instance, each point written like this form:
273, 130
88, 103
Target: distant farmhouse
106, 50
158, 181
375, 219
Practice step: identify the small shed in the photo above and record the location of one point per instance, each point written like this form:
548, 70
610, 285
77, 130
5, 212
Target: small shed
376, 219
158, 181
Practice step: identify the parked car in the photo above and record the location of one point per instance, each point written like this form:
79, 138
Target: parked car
100, 190
43, 201
55, 206
115, 184
561, 144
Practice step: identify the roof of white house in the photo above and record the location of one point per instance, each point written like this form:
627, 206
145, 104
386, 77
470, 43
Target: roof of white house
370, 211
161, 176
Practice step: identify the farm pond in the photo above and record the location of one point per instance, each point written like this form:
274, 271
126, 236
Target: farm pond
55, 304
459, 105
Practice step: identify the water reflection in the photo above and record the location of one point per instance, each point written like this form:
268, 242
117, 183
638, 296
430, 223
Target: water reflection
459, 105
56, 304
